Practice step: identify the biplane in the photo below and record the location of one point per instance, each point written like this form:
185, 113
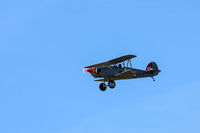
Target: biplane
118, 69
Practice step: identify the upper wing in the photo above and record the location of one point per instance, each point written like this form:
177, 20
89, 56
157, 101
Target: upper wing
126, 74
113, 61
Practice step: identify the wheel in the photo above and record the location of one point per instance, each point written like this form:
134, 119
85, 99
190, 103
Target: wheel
111, 84
102, 86
153, 79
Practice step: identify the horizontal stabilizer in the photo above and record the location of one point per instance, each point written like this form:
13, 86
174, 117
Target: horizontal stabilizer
153, 71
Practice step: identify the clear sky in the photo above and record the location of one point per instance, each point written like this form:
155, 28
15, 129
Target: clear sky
44, 45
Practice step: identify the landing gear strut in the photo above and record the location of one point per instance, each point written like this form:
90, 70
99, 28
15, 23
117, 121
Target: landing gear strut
153, 78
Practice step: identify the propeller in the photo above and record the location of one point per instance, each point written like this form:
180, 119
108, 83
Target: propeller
84, 70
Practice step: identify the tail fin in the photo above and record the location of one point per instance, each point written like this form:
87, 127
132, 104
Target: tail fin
152, 66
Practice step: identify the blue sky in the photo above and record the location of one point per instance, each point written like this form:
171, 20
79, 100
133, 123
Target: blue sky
44, 45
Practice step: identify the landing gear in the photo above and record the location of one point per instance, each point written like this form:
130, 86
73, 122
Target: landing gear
153, 78
102, 86
111, 84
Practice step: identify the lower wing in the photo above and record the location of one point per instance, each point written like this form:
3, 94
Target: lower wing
123, 75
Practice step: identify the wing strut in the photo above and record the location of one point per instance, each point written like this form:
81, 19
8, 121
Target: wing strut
124, 65
129, 64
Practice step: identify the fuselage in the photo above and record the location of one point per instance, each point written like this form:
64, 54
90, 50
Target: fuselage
110, 72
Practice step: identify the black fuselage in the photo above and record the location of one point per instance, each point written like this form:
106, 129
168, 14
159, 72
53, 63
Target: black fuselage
110, 72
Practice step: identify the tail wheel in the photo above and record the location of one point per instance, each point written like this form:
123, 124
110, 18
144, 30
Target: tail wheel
102, 86
111, 84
